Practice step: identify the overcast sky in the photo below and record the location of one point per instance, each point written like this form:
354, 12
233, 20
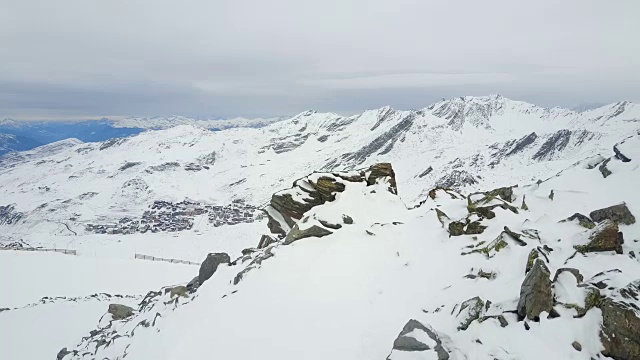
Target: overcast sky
220, 58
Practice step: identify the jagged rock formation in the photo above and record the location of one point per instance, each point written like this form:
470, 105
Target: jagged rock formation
288, 206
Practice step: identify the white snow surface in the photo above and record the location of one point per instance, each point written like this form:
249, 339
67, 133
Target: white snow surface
343, 296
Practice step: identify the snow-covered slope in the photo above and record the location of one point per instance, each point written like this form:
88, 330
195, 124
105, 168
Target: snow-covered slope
346, 260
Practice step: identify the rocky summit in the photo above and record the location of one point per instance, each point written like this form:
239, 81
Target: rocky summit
475, 228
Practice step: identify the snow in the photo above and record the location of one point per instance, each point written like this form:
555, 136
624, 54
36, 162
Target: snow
33, 275
343, 296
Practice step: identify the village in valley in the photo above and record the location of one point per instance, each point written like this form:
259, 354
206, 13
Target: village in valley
166, 216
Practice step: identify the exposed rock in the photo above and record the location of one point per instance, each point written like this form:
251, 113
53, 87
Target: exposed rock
583, 220
555, 143
524, 204
288, 206
442, 217
297, 234
619, 213
576, 345
347, 219
456, 179
551, 195
119, 311
9, 215
603, 168
474, 228
407, 343
619, 155
535, 292
426, 172
505, 193
523, 143
210, 265
128, 164
178, 291
265, 240
531, 259
605, 237
383, 170
323, 138
470, 311
62, 353
457, 228
620, 332
573, 271
329, 225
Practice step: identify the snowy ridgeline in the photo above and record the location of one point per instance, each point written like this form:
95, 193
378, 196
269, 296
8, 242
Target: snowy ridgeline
542, 270
347, 266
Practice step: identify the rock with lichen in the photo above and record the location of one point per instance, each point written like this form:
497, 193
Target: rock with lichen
582, 220
619, 213
604, 237
535, 293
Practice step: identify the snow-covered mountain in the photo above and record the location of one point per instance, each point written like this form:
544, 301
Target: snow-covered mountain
159, 122
11, 142
386, 234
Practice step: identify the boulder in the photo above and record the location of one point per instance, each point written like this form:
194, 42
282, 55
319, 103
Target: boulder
619, 213
605, 237
620, 332
297, 234
470, 311
535, 293
210, 265
407, 342
603, 168
119, 311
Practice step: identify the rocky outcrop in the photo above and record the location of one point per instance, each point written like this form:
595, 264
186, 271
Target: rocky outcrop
296, 234
119, 311
383, 171
210, 265
407, 341
620, 332
9, 215
535, 293
288, 206
554, 143
619, 213
456, 180
605, 237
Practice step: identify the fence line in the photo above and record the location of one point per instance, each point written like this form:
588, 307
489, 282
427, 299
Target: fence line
62, 251
173, 261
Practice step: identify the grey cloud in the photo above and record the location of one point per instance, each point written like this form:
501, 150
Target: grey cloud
257, 58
